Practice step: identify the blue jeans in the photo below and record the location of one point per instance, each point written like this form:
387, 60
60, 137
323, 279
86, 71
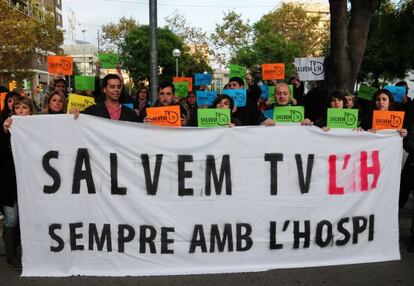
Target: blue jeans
11, 216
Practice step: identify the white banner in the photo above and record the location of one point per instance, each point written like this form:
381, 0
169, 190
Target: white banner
101, 197
310, 68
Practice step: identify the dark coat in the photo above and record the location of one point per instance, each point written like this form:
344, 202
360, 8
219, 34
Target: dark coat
8, 188
100, 110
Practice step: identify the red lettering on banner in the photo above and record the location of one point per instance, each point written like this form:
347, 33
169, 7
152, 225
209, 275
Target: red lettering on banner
364, 171
374, 170
333, 188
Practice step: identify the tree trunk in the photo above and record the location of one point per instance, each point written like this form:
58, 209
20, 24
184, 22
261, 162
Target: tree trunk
348, 41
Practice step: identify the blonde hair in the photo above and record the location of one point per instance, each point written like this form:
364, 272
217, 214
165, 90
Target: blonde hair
48, 98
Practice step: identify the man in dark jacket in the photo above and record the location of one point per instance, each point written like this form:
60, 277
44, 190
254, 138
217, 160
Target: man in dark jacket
111, 108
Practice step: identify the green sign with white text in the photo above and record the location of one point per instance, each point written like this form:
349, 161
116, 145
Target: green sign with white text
213, 117
342, 118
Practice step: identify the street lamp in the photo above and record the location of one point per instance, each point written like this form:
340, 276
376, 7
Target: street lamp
84, 51
176, 54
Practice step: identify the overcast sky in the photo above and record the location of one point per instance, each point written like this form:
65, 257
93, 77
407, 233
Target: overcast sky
204, 14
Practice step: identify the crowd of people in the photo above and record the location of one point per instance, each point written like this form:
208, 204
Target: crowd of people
110, 98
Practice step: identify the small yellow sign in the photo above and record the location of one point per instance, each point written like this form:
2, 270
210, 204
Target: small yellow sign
79, 102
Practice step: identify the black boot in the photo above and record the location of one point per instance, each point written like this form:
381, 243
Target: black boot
10, 237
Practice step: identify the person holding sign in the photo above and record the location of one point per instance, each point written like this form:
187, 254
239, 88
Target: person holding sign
166, 98
282, 95
111, 108
248, 115
336, 100
382, 101
222, 101
23, 106
55, 103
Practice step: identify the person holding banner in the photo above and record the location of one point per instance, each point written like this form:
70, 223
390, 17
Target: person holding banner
382, 101
23, 106
55, 103
111, 108
407, 181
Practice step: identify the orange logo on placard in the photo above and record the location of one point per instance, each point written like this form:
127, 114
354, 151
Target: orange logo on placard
187, 79
165, 115
60, 65
387, 119
273, 71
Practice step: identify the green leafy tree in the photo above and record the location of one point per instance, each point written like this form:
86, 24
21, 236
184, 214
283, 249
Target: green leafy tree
282, 35
233, 34
307, 31
390, 29
113, 34
135, 54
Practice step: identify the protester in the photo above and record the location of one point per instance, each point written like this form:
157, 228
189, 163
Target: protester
382, 101
336, 99
298, 89
223, 101
111, 108
58, 84
166, 98
283, 97
249, 114
55, 103
22, 106
141, 102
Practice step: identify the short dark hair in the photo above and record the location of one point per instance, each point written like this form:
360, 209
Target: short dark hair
237, 79
338, 94
109, 77
167, 84
387, 93
220, 97
60, 80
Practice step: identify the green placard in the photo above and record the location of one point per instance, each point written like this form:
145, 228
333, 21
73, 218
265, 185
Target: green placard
289, 114
108, 60
366, 92
291, 91
342, 118
84, 83
238, 71
212, 117
181, 88
272, 90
